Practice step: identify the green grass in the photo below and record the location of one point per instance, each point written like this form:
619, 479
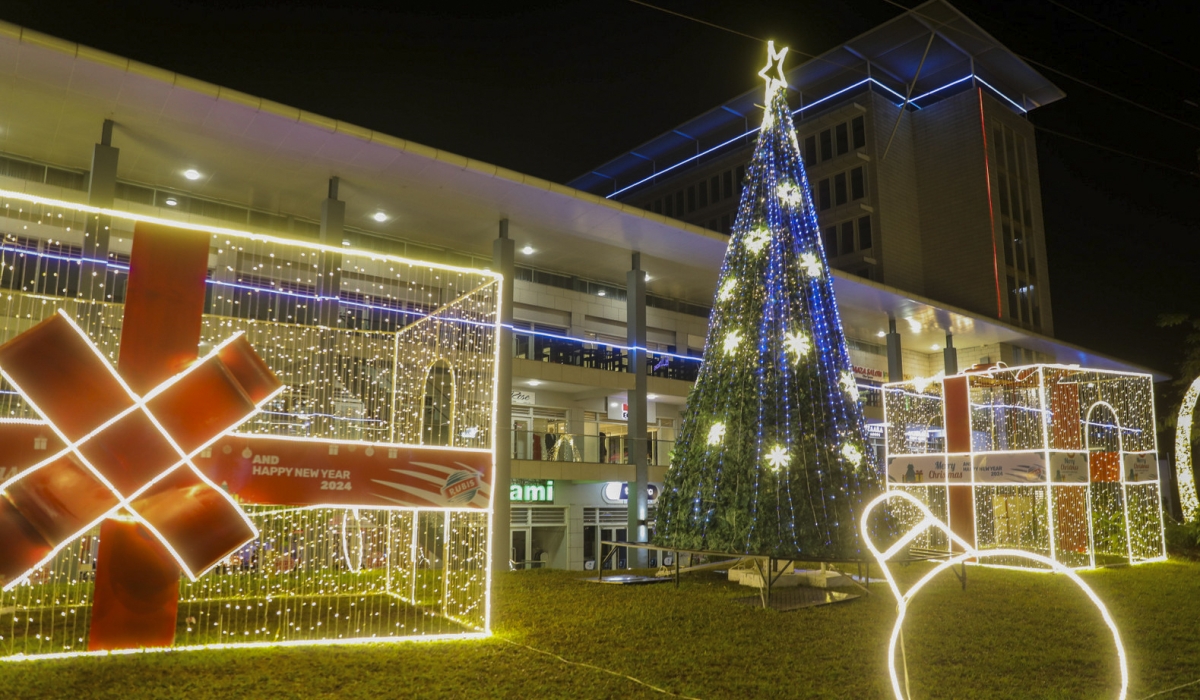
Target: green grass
1009, 635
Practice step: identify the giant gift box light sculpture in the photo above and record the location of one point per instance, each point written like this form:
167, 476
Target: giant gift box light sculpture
1059, 461
321, 474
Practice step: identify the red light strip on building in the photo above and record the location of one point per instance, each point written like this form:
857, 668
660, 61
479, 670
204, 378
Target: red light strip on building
987, 171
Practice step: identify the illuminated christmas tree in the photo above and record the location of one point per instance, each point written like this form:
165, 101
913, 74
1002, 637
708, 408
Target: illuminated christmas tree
771, 457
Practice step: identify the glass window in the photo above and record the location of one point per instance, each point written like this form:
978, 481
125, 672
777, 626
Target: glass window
864, 233
679, 203
658, 206
831, 242
715, 188
1003, 195
810, 151
702, 190
741, 177
858, 184
843, 139
691, 191
728, 188
826, 145
839, 188
823, 194
847, 237
859, 128
667, 205
725, 224
1013, 303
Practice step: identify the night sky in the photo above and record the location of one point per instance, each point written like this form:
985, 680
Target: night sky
555, 88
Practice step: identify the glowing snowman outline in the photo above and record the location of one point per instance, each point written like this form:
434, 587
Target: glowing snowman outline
969, 552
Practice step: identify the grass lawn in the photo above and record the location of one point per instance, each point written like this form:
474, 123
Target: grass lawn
1009, 635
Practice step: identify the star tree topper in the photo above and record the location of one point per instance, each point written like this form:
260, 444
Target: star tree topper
774, 62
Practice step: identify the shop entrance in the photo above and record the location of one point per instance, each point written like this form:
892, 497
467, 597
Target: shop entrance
618, 560
519, 554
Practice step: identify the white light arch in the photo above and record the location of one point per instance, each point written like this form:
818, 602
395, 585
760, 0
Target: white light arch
969, 552
1183, 454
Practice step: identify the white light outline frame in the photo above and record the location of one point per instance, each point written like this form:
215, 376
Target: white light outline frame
903, 599
1185, 479
990, 372
496, 326
125, 501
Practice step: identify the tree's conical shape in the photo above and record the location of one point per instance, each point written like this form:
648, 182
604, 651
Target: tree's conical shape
771, 457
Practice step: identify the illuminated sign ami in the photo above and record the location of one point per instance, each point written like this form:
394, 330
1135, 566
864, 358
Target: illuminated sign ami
531, 491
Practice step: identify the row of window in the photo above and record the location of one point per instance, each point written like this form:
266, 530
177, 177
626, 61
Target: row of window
835, 141
841, 188
721, 186
841, 239
1016, 222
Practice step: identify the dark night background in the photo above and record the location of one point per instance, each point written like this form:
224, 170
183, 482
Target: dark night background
554, 88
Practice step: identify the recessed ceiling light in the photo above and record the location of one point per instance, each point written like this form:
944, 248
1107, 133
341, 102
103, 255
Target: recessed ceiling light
191, 174
171, 201
600, 293
379, 216
534, 382
652, 396
528, 250
935, 346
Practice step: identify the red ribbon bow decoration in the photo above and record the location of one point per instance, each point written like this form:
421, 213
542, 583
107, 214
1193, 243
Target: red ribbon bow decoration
125, 452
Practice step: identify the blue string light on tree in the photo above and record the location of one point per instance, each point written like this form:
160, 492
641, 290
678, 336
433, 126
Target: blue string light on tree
771, 457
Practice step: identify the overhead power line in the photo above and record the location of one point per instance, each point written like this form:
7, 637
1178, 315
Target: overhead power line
697, 19
1142, 44
1134, 103
1110, 149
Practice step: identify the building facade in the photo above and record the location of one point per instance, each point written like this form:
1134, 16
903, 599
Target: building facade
606, 315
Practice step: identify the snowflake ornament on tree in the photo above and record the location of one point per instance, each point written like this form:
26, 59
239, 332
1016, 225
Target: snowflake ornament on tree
771, 457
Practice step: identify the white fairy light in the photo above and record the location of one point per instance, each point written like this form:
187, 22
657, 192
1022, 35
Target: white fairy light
849, 385
810, 264
757, 239
727, 289
1183, 454
732, 340
716, 434
778, 457
797, 344
789, 193
852, 454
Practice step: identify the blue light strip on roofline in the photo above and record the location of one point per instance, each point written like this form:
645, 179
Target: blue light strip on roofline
911, 101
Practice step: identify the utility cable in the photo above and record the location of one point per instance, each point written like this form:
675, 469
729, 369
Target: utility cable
1116, 151
1125, 36
1139, 105
697, 19
598, 668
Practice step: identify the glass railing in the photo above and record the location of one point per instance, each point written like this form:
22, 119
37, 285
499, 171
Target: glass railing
594, 355
592, 449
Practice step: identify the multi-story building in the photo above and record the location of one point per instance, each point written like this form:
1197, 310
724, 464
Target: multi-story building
82, 126
921, 163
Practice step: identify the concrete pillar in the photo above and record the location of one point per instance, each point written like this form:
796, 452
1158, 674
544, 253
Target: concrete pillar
102, 190
329, 285
502, 262
950, 355
635, 317
895, 358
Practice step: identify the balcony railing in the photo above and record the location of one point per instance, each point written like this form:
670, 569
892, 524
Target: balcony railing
563, 350
590, 449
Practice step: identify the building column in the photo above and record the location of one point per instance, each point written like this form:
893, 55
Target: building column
950, 355
329, 284
894, 356
502, 262
635, 316
102, 190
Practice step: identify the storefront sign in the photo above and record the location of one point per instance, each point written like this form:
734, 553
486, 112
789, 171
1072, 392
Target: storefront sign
1141, 466
619, 410
522, 398
875, 431
869, 366
618, 492
531, 491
